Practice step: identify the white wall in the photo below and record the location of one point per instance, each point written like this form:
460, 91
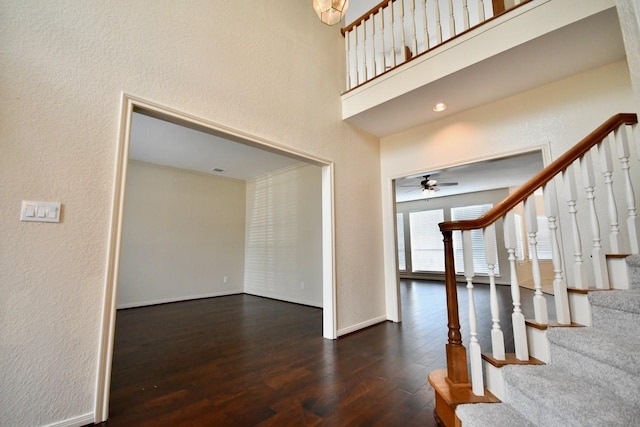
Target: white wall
284, 236
183, 233
629, 15
559, 114
268, 68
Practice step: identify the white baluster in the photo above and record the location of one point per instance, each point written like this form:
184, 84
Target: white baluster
393, 36
571, 194
636, 137
475, 354
465, 15
622, 144
497, 337
364, 51
356, 48
412, 7
426, 26
481, 17
438, 23
597, 254
402, 34
517, 318
452, 21
606, 167
347, 40
559, 285
531, 220
374, 53
384, 53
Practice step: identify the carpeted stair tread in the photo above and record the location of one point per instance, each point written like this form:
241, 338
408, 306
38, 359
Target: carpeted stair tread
628, 300
549, 395
618, 351
491, 414
599, 374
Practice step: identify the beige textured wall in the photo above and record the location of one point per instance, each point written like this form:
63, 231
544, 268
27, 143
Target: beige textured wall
183, 232
268, 68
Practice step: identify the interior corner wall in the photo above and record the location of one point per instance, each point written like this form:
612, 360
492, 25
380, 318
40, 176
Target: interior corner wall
183, 233
284, 236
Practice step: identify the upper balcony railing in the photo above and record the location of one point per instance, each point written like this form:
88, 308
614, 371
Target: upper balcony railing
396, 31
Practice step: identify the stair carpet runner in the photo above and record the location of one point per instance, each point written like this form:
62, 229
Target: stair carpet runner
593, 378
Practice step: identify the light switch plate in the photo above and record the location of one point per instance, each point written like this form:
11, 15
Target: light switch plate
40, 211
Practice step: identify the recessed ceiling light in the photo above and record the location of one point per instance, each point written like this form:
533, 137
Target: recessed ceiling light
440, 106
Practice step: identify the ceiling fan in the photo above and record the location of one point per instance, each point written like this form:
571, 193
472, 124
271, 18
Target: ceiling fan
428, 185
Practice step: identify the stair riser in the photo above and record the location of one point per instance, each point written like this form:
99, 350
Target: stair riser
615, 321
633, 264
532, 410
602, 375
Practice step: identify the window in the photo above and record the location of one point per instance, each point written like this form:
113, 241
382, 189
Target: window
427, 248
477, 239
402, 259
543, 239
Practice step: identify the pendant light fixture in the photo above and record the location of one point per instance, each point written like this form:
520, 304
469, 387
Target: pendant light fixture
331, 11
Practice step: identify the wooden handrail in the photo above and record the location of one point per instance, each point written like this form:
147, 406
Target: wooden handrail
365, 16
543, 177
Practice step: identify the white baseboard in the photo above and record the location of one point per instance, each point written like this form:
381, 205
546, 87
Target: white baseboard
177, 299
79, 421
362, 325
283, 298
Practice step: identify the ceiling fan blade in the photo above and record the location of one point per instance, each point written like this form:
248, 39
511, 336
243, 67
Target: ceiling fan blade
412, 190
444, 184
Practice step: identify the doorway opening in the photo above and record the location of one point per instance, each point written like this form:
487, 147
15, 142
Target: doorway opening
286, 160
419, 200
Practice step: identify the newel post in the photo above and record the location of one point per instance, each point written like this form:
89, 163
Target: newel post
457, 372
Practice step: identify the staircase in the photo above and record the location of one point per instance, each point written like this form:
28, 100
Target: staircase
583, 367
592, 379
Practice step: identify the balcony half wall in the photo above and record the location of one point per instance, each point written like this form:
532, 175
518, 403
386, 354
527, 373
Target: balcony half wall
540, 42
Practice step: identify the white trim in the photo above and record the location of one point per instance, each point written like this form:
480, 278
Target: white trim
178, 299
362, 325
329, 298
127, 106
78, 421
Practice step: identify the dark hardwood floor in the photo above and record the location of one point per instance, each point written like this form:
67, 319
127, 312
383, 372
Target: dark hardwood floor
245, 361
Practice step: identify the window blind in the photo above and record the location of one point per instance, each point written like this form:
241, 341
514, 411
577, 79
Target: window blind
402, 259
477, 239
427, 248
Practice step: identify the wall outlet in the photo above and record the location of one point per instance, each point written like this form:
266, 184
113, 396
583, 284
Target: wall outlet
226, 279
